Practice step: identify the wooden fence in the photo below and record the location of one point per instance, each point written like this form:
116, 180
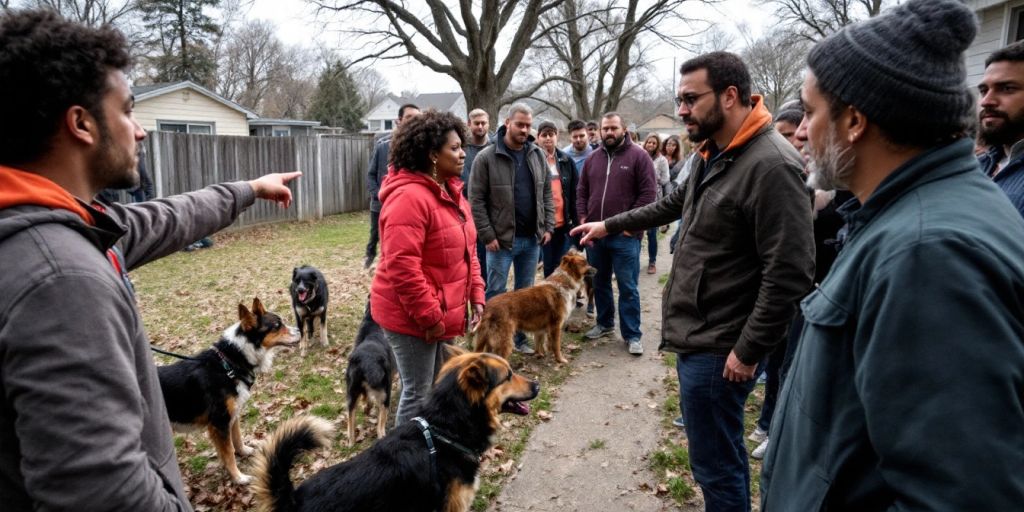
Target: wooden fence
333, 170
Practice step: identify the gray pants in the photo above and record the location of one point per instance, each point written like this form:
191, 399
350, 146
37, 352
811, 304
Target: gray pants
418, 364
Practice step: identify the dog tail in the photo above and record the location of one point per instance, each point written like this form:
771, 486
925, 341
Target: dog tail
272, 484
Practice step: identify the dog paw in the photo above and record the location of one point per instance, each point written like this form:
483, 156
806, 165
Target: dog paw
246, 450
243, 479
563, 360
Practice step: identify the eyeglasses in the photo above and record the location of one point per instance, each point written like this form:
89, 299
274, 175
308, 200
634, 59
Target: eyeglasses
690, 99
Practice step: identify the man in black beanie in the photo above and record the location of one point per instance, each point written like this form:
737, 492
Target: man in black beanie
905, 392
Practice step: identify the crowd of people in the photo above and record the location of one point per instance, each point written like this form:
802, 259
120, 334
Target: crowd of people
863, 245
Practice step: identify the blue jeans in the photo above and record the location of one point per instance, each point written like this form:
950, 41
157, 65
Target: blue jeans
619, 254
418, 364
713, 408
552, 252
522, 259
652, 246
771, 386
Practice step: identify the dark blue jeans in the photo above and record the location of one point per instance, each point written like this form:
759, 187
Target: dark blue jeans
652, 246
552, 252
621, 254
481, 254
773, 382
713, 408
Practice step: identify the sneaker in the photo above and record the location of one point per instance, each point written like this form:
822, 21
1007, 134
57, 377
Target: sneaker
679, 422
651, 269
524, 349
598, 331
635, 347
368, 261
758, 435
758, 452
763, 378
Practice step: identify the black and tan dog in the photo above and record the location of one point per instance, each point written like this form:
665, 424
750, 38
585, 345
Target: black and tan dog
309, 302
541, 309
210, 389
425, 464
370, 371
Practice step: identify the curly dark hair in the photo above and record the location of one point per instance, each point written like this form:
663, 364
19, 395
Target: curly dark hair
414, 139
724, 70
50, 64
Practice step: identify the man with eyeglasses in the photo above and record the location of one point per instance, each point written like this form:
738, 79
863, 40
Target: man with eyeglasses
746, 256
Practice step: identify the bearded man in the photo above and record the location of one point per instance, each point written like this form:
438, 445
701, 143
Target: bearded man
1001, 121
905, 391
745, 257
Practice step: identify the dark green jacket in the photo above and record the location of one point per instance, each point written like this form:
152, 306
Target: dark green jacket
907, 389
746, 250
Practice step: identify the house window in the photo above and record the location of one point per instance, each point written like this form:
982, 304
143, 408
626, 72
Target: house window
388, 125
1016, 25
282, 132
186, 127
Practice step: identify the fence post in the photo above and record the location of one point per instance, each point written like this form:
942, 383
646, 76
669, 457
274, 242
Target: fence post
158, 172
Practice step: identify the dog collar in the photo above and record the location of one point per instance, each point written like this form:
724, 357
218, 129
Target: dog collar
233, 371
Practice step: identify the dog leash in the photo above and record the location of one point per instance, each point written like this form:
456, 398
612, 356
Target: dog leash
429, 433
172, 354
232, 370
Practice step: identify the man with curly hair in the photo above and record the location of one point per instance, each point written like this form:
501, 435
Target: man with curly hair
83, 425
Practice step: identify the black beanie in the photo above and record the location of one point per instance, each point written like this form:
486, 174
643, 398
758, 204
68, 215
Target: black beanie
904, 67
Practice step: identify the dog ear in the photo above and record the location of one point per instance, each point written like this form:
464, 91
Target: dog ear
295, 273
474, 379
257, 307
247, 318
451, 350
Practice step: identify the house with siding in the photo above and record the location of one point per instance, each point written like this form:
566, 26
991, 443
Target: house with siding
187, 107
381, 117
1001, 23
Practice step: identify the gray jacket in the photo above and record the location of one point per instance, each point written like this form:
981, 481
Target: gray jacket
83, 425
491, 189
377, 170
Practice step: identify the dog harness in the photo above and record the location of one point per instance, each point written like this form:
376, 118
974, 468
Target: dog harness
233, 371
429, 433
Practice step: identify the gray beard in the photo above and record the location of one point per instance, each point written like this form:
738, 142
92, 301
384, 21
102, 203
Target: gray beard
831, 169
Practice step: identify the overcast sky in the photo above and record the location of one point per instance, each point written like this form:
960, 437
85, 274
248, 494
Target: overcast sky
297, 24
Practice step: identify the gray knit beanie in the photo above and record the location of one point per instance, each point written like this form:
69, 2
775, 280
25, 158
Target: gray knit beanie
904, 68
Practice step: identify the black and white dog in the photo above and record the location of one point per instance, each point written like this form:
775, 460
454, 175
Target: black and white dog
210, 389
309, 301
371, 369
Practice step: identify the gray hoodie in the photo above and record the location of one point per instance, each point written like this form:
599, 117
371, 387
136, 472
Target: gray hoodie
83, 425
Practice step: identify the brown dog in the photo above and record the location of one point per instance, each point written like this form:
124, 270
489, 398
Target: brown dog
541, 309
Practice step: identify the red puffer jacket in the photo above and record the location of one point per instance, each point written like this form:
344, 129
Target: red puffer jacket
428, 268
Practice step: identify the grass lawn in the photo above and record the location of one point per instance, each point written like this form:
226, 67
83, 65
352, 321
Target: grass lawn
188, 299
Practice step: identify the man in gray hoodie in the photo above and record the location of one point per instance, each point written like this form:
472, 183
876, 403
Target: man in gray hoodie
83, 424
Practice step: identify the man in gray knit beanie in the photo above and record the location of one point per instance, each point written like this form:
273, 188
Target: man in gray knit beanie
930, 278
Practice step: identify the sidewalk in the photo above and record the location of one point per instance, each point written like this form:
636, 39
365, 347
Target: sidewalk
592, 454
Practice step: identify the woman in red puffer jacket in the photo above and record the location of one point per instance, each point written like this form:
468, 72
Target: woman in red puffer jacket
428, 268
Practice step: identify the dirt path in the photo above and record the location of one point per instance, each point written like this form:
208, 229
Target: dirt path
592, 454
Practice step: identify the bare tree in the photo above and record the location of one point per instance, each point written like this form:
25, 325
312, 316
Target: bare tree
594, 55
775, 61
459, 43
289, 95
91, 12
252, 59
373, 87
816, 19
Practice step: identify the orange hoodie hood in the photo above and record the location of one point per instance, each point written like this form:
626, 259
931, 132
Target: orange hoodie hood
21, 188
755, 121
